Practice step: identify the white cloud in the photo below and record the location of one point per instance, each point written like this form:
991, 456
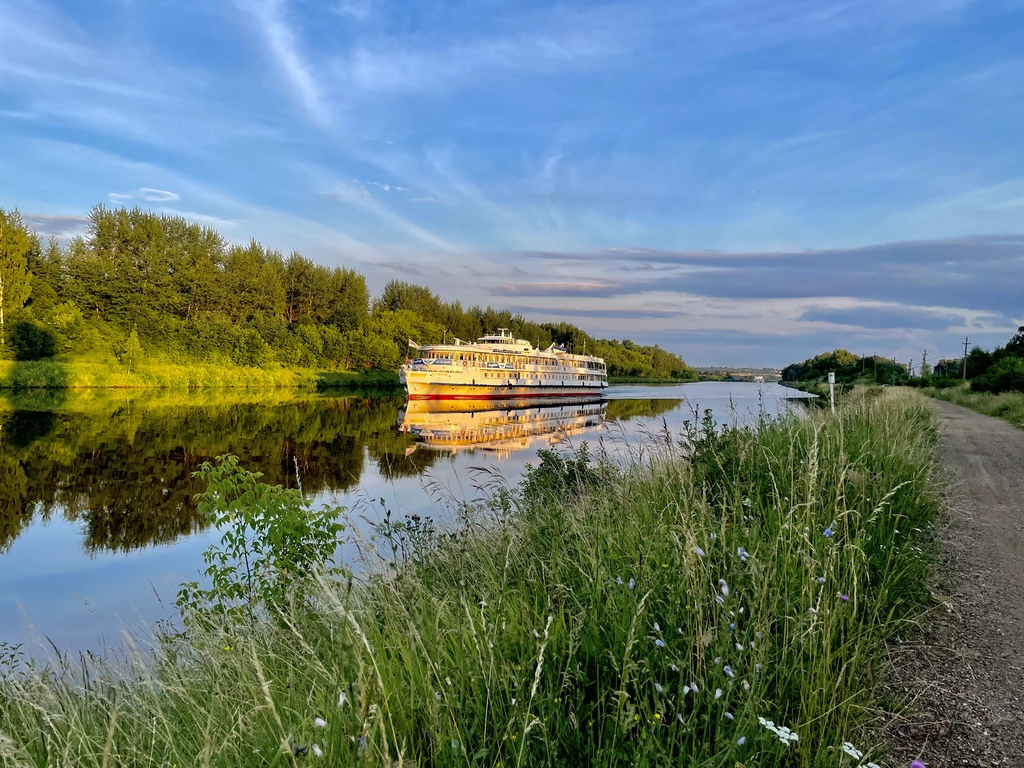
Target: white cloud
148, 194
285, 47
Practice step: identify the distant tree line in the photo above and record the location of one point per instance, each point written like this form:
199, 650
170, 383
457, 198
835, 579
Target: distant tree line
1001, 370
142, 286
848, 368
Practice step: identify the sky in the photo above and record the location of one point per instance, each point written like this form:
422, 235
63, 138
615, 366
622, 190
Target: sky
743, 182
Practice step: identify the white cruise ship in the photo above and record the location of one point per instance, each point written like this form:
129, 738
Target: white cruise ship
499, 367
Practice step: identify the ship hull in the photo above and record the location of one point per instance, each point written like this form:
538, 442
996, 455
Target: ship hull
434, 390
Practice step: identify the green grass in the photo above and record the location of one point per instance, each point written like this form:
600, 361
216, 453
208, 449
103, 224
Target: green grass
1006, 405
76, 374
564, 624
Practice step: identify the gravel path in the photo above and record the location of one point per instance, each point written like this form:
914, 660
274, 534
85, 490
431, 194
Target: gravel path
963, 676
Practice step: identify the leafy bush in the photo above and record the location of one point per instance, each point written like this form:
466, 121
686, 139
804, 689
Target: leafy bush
1005, 376
31, 342
272, 539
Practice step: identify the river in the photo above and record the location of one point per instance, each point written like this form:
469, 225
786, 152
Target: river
98, 525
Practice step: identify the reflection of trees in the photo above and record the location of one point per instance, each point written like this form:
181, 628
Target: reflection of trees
125, 470
622, 410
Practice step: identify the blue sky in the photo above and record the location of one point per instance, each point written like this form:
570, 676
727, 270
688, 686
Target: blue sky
741, 182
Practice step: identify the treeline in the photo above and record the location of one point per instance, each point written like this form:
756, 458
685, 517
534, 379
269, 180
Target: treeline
1001, 370
146, 287
848, 368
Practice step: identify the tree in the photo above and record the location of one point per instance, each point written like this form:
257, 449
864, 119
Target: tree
17, 242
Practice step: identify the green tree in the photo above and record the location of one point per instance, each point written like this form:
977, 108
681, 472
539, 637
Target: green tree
17, 244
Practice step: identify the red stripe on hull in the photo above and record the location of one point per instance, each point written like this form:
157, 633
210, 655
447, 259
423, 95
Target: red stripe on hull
595, 392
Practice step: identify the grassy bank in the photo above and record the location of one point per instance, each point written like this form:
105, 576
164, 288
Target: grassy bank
76, 374
675, 611
1006, 405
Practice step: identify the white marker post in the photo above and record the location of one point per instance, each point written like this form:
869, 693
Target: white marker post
832, 390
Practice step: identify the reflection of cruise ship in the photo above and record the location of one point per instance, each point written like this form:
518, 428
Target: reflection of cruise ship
500, 366
502, 430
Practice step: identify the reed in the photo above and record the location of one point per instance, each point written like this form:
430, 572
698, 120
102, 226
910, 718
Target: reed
716, 598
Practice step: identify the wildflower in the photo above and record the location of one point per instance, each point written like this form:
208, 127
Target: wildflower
319, 722
437, 695
739, 646
699, 551
741, 740
658, 688
728, 671
686, 689
673, 667
718, 659
844, 598
657, 716
719, 599
917, 764
714, 536
449, 681
724, 586
742, 553
679, 717
812, 609
227, 647
632, 583
693, 687
732, 625
757, 667
342, 699
657, 627
362, 743
619, 581
317, 752
718, 693
660, 643
728, 716
852, 751
828, 533
746, 686
821, 579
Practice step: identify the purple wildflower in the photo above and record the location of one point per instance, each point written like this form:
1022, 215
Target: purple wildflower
660, 643
828, 533
699, 551
917, 764
845, 598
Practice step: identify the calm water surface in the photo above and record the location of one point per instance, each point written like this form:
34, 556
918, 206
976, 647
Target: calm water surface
98, 526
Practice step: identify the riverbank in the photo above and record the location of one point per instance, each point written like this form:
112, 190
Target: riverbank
1006, 405
674, 610
76, 374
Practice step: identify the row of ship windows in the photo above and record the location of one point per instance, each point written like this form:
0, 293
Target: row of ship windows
504, 360
576, 377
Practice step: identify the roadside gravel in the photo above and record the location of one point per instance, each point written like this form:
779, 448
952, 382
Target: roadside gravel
960, 681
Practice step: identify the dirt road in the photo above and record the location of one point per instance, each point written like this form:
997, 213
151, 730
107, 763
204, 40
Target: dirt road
965, 676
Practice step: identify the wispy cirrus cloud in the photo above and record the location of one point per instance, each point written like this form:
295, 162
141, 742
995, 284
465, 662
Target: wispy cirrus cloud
286, 48
148, 194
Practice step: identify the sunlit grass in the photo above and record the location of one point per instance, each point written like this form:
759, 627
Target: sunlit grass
638, 613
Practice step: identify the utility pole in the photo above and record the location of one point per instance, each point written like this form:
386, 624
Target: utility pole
924, 361
965, 358
910, 368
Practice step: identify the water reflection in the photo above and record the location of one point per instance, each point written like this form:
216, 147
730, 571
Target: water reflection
512, 426
123, 469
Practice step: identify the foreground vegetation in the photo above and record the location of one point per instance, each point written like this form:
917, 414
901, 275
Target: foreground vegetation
717, 600
141, 288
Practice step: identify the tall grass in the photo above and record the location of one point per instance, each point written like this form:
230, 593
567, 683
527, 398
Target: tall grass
1006, 405
645, 613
